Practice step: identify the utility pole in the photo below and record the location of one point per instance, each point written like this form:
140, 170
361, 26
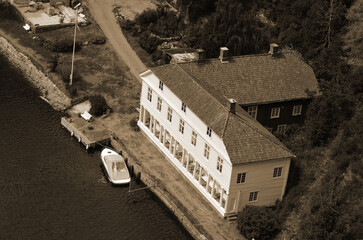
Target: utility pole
74, 43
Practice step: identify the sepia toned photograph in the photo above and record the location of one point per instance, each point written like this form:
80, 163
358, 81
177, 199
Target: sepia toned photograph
181, 119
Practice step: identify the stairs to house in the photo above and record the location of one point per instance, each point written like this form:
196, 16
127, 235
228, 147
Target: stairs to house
232, 217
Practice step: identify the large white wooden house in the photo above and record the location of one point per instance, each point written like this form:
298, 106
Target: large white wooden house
225, 153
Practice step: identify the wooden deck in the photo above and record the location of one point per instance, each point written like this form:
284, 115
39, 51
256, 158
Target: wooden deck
89, 133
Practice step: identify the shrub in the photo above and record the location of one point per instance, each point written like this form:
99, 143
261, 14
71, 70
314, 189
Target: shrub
98, 105
54, 63
73, 91
98, 40
62, 45
150, 44
134, 126
258, 222
128, 25
64, 70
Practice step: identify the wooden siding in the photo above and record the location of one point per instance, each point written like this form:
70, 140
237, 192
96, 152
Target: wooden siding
264, 113
191, 123
259, 177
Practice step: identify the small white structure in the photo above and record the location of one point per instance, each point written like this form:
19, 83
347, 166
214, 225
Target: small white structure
26, 27
86, 116
227, 155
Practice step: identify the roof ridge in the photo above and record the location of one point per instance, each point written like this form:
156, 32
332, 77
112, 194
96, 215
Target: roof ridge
229, 113
205, 90
239, 56
239, 118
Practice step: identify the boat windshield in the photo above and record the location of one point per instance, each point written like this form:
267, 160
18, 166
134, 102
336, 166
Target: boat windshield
117, 159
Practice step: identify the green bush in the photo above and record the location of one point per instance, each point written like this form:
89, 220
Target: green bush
98, 40
64, 70
134, 126
259, 223
150, 44
128, 25
63, 44
98, 105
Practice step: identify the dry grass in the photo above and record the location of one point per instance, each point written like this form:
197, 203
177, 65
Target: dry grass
101, 70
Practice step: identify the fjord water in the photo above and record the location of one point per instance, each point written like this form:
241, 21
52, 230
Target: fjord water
51, 188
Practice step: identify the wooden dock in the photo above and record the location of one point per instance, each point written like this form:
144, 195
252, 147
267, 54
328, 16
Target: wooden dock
90, 133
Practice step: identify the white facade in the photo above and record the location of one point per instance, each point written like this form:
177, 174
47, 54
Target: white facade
207, 164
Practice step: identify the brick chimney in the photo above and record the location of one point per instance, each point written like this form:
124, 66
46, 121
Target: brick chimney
201, 55
223, 54
232, 105
274, 49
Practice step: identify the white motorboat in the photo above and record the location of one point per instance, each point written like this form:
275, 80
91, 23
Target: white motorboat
115, 167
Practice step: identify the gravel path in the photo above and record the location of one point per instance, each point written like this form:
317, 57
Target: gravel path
102, 12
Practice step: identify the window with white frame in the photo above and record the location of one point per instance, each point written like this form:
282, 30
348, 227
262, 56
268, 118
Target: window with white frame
253, 196
281, 129
219, 164
149, 94
252, 110
296, 110
161, 85
159, 104
184, 107
194, 138
209, 131
275, 112
170, 114
181, 126
241, 177
277, 172
206, 151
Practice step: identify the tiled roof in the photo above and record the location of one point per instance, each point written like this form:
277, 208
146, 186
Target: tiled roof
246, 140
256, 79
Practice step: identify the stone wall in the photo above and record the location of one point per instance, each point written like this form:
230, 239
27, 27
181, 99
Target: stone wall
196, 230
56, 98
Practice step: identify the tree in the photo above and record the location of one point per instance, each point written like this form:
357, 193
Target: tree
325, 114
98, 105
353, 37
235, 24
258, 222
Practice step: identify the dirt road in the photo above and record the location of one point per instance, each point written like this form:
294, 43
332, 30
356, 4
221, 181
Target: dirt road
102, 12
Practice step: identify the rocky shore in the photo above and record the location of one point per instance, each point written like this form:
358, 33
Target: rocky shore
50, 92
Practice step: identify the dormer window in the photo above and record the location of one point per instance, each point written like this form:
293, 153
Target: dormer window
209, 131
184, 107
161, 85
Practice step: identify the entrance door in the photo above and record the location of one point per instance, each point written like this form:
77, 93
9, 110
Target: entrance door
239, 201
232, 205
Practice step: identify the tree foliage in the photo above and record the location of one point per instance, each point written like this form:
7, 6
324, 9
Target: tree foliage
64, 70
98, 105
258, 222
353, 38
329, 164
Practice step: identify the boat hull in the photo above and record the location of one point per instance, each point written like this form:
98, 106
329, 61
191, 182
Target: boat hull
110, 162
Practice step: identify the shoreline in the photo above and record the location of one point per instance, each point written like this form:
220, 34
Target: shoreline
51, 94
48, 90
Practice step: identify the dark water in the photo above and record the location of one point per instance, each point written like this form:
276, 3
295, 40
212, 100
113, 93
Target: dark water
51, 188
